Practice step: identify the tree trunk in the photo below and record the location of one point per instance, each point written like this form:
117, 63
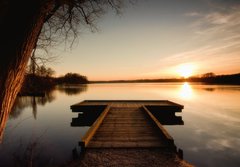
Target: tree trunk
20, 25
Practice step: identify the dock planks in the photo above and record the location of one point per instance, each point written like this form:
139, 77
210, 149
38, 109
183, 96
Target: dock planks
127, 124
126, 127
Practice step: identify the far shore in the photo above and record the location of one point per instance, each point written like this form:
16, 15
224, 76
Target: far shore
231, 79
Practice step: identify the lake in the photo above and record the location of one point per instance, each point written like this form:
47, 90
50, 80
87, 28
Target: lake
40, 127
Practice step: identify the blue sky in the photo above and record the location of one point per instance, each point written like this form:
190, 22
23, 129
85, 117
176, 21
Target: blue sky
153, 38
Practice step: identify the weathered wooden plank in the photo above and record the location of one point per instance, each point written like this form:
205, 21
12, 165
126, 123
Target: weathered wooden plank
129, 103
129, 144
87, 137
126, 131
113, 133
125, 138
165, 133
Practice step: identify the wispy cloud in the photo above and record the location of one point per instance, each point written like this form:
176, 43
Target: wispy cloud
193, 14
222, 144
218, 35
218, 21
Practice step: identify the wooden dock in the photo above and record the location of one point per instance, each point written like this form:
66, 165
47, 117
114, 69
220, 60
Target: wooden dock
127, 124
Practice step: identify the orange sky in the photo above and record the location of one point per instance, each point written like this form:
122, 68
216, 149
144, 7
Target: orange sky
152, 39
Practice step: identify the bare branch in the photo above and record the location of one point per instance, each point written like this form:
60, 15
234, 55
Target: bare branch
66, 19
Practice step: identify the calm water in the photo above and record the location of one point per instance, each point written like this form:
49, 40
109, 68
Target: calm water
41, 127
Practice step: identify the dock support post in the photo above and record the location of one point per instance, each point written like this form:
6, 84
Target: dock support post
180, 153
82, 149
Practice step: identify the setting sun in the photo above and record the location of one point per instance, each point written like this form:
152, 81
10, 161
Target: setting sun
185, 70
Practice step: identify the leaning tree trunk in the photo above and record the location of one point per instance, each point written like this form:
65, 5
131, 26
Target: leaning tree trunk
20, 25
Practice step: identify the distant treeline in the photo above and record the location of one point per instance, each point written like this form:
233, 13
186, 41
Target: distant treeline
36, 84
209, 78
140, 81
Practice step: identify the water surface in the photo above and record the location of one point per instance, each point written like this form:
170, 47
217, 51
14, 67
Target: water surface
41, 127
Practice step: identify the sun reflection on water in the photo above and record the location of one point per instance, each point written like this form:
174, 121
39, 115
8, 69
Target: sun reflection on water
185, 91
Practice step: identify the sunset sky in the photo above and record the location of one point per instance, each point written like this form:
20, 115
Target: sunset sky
158, 39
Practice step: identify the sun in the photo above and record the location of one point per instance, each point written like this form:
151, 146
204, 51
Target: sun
185, 70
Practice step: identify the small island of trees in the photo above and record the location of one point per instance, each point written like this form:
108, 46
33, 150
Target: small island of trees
42, 80
72, 78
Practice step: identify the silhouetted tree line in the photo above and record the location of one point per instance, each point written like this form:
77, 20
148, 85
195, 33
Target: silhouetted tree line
38, 82
211, 78
141, 80
42, 81
36, 85
205, 78
72, 78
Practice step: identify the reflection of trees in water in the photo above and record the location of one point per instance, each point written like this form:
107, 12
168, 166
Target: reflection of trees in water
209, 89
30, 101
223, 88
48, 98
33, 101
72, 89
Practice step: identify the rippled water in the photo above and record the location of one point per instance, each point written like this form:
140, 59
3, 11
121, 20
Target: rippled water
41, 127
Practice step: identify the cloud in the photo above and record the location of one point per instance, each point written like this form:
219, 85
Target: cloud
219, 21
219, 57
216, 39
221, 144
193, 14
217, 18
223, 4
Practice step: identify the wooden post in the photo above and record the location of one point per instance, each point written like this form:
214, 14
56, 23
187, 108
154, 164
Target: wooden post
82, 146
180, 153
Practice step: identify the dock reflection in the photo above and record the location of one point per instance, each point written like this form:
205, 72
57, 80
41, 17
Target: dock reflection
166, 116
88, 114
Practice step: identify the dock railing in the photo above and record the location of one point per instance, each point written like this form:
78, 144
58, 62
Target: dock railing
92, 130
159, 125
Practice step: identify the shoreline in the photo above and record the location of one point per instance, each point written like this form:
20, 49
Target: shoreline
129, 157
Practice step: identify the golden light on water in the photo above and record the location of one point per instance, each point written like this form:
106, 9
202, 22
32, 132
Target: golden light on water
186, 91
185, 70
